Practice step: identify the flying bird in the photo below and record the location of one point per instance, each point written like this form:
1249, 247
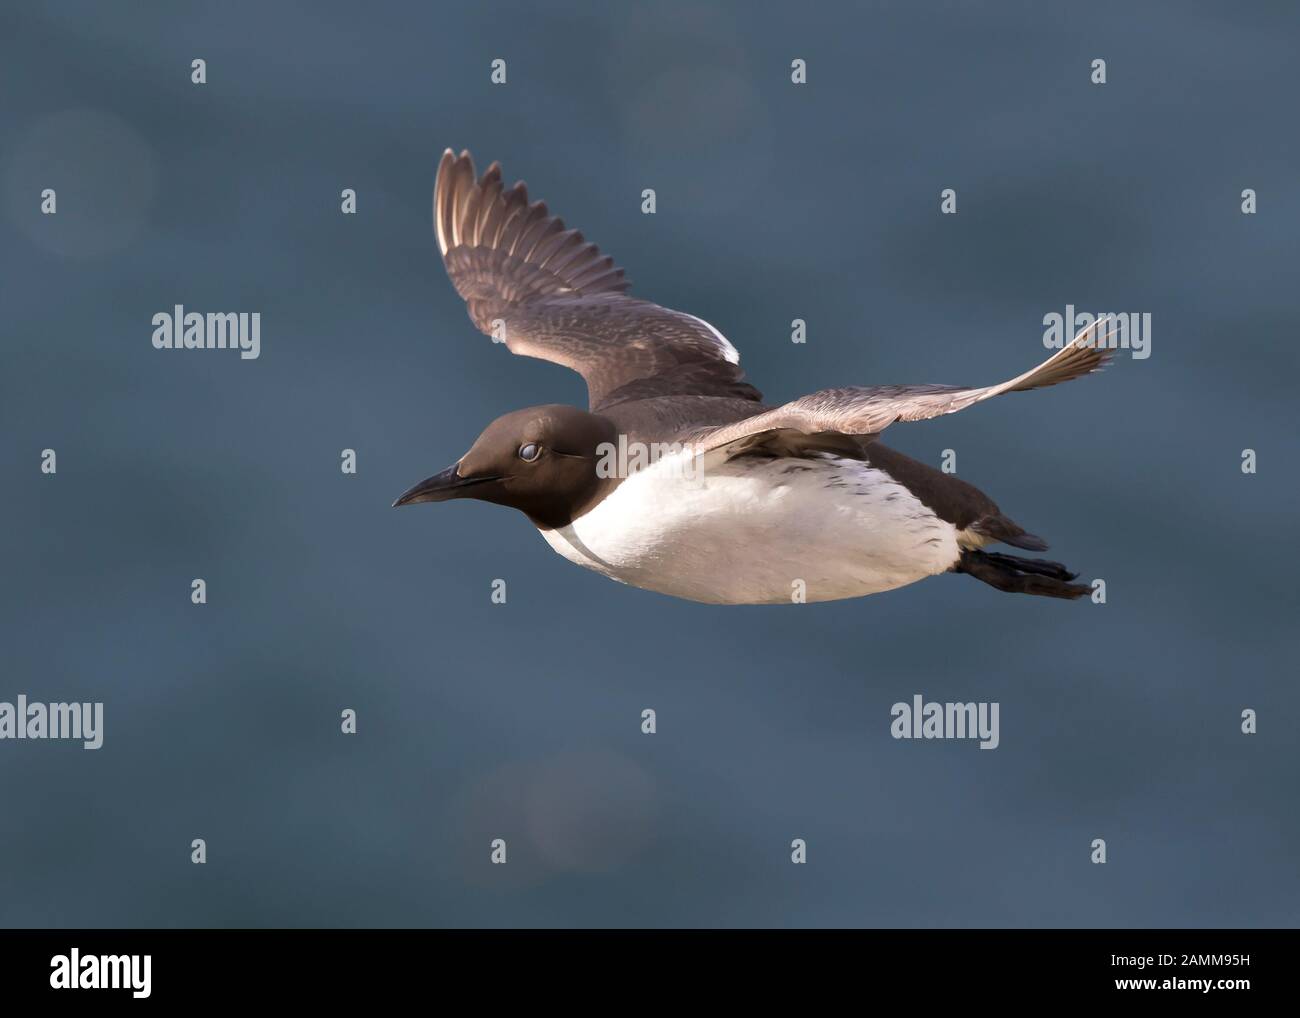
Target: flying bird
677, 477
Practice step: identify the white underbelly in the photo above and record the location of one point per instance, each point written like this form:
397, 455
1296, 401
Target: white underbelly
755, 531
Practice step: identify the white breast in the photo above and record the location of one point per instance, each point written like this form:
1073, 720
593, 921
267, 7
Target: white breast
761, 531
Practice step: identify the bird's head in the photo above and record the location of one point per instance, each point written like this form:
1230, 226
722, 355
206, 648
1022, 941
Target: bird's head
541, 461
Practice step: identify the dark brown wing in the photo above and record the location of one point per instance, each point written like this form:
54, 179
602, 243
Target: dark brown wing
544, 292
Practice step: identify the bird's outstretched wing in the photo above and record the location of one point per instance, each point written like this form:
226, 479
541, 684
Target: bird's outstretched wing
865, 411
546, 293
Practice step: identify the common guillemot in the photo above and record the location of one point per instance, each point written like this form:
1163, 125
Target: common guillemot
737, 502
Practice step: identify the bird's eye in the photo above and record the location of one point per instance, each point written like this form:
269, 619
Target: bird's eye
529, 452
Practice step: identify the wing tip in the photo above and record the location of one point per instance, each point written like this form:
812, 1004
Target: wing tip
1085, 354
452, 169
481, 212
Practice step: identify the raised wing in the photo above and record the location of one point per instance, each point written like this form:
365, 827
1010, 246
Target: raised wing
546, 293
865, 411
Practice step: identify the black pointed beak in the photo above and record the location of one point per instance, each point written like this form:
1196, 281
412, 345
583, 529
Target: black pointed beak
440, 487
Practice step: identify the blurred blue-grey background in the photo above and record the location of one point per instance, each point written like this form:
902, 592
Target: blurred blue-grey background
522, 721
